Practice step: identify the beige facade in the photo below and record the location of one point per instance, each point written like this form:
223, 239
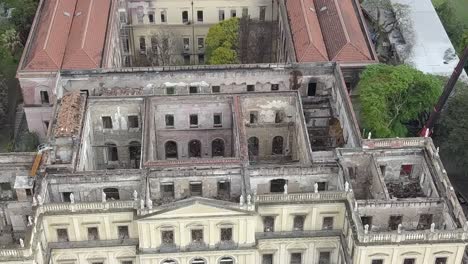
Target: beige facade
184, 24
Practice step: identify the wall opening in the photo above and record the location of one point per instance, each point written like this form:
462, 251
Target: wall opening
312, 89
277, 145
170, 149
253, 147
217, 148
112, 193
135, 154
194, 147
277, 186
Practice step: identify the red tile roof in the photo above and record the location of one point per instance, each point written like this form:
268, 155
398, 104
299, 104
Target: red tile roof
305, 30
329, 27
50, 37
69, 34
87, 36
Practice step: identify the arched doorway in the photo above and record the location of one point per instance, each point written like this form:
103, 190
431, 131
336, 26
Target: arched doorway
194, 147
170, 149
217, 148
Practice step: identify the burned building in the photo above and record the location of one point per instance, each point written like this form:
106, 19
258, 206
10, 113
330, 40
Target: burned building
220, 164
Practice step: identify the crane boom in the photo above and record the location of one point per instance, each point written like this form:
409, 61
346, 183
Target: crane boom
449, 86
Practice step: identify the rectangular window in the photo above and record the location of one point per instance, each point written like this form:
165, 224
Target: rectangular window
127, 262
366, 220
126, 45
163, 16
151, 17
221, 15
296, 258
154, 45
327, 223
226, 234
5, 186
193, 120
193, 89
62, 235
186, 44
133, 121
170, 90
66, 197
184, 16
233, 13
250, 88
200, 16
123, 17
186, 59
394, 221
28, 192
377, 261
298, 223
106, 122
274, 87
46, 124
441, 261
217, 122
245, 12
201, 58
425, 221
93, 233
215, 89
311, 89
322, 186
44, 97
167, 237
197, 235
123, 232
262, 13
224, 189
268, 224
167, 190
409, 261
201, 43
169, 121
267, 259
324, 257
253, 117
142, 45
196, 189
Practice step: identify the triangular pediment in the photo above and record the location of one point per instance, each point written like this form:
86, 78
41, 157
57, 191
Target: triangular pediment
197, 208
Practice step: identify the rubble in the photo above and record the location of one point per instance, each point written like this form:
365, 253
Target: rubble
69, 116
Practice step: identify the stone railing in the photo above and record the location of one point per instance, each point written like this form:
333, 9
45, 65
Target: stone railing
15, 253
414, 236
288, 171
59, 207
94, 243
393, 143
300, 197
429, 202
296, 234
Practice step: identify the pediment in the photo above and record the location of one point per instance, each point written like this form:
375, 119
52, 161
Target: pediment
197, 208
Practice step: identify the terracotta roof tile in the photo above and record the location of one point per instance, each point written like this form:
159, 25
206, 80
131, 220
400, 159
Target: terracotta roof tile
305, 29
50, 36
70, 34
68, 121
327, 30
87, 35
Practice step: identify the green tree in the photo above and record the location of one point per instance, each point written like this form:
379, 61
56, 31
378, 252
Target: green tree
451, 131
225, 37
453, 26
392, 96
22, 16
10, 40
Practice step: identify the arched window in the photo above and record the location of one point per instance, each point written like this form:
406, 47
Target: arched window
194, 147
253, 147
277, 186
171, 150
112, 193
112, 154
277, 145
217, 148
135, 154
226, 260
169, 261
198, 261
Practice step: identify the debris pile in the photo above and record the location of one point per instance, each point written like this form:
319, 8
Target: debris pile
69, 116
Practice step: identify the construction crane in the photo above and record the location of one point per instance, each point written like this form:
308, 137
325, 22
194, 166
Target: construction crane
449, 86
